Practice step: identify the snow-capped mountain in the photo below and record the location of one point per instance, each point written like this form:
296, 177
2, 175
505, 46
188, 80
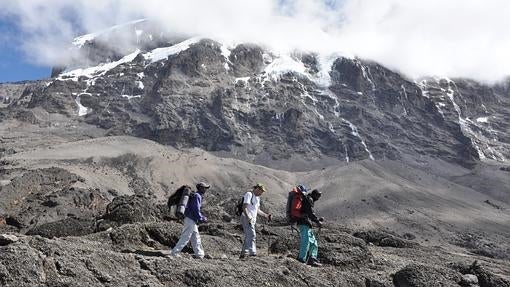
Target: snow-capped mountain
255, 103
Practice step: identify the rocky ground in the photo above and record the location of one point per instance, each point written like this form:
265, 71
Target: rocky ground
93, 211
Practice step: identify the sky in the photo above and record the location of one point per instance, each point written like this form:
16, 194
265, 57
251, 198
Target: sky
454, 38
13, 64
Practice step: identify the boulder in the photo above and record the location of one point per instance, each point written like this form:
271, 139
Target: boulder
129, 209
6, 239
468, 280
343, 250
424, 276
383, 239
65, 227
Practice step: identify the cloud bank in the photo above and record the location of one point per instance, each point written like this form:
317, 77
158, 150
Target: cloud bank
455, 38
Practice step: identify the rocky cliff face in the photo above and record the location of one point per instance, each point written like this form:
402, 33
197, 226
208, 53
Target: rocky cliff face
259, 105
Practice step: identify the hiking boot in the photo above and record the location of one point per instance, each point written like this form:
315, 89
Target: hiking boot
314, 262
174, 255
198, 256
242, 256
253, 255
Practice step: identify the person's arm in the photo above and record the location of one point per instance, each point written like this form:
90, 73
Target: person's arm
201, 217
309, 211
266, 215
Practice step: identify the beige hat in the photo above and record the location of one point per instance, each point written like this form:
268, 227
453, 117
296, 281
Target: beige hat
261, 186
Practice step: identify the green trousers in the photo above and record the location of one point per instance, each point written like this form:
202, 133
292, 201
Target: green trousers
308, 246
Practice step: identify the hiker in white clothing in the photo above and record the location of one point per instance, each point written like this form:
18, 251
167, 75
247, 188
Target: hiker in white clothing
251, 204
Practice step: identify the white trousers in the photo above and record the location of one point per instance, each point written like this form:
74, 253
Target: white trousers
250, 236
189, 231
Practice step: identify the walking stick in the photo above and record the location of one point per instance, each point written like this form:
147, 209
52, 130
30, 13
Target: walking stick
264, 227
268, 242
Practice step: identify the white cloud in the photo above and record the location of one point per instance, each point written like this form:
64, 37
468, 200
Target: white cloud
455, 38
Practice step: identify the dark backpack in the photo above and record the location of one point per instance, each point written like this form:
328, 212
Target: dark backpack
175, 198
294, 205
240, 203
180, 199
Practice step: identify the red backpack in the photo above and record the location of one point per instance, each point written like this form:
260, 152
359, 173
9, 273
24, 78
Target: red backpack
294, 204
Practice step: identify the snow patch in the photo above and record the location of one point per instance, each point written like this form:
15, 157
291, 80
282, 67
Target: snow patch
407, 99
129, 97
346, 154
354, 132
140, 85
82, 110
159, 54
323, 78
96, 71
242, 79
282, 65
482, 120
226, 53
366, 73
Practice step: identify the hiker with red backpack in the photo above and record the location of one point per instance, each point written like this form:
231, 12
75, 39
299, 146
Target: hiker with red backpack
192, 217
249, 210
300, 210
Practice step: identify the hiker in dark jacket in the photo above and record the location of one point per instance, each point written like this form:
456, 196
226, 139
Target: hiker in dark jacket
308, 247
192, 217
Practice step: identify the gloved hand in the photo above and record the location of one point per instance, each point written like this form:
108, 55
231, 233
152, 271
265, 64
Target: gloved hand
269, 217
321, 219
203, 220
319, 224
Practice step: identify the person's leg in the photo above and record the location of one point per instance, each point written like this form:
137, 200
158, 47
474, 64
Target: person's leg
253, 237
196, 242
247, 239
250, 237
304, 242
187, 231
314, 246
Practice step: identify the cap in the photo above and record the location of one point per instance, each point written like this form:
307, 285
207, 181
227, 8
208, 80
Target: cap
302, 188
261, 186
316, 192
203, 184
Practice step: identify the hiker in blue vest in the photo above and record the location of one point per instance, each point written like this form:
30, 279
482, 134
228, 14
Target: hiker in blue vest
192, 217
251, 208
309, 247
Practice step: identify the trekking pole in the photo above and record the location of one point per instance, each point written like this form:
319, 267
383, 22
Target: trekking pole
268, 241
292, 228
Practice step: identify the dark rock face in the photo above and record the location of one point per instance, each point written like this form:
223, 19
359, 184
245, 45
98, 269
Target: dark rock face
344, 251
129, 209
421, 276
49, 196
65, 227
383, 239
239, 101
247, 59
485, 278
